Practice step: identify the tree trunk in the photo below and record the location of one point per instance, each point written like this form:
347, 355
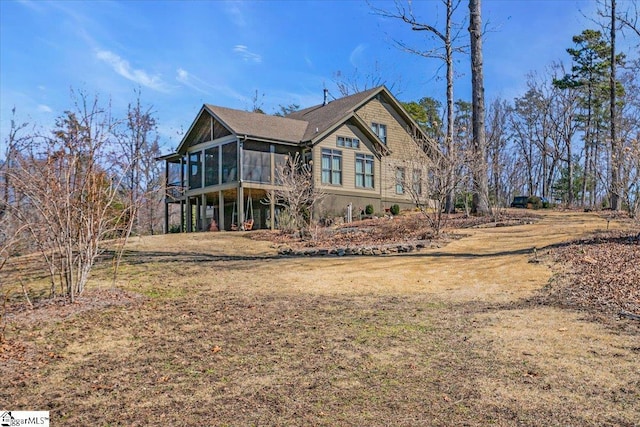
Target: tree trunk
449, 202
585, 174
480, 185
569, 174
615, 159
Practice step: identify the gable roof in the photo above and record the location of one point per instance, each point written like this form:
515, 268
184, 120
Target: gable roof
259, 125
322, 118
303, 126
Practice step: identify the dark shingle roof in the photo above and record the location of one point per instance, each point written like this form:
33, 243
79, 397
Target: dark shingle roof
260, 125
323, 117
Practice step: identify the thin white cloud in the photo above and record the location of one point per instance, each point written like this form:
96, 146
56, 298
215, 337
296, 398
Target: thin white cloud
196, 83
122, 67
308, 61
356, 54
234, 10
44, 108
183, 75
188, 79
246, 54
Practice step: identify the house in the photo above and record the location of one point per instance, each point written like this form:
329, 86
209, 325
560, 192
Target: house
363, 149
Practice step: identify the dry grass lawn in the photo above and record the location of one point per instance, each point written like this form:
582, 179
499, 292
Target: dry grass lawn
228, 333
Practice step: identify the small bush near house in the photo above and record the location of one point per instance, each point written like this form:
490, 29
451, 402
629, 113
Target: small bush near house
368, 210
286, 221
395, 210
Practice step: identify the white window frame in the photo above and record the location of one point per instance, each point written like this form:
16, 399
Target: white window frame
380, 129
331, 155
365, 159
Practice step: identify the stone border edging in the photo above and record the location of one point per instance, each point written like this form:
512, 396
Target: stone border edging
373, 250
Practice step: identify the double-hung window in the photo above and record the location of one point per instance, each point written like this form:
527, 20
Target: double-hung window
331, 166
400, 179
364, 170
417, 182
380, 130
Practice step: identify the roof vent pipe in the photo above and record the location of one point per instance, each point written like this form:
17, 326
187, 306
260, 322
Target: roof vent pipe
326, 95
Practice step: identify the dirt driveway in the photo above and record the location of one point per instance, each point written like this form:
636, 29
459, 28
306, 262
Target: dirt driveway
232, 334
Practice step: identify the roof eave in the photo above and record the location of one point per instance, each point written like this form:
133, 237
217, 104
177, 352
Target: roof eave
169, 157
269, 140
329, 129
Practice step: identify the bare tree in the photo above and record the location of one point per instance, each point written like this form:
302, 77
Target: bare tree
68, 195
152, 178
497, 140
630, 140
616, 20
428, 180
615, 146
296, 194
360, 80
630, 18
446, 40
134, 156
479, 167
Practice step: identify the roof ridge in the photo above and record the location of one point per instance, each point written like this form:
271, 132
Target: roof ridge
235, 110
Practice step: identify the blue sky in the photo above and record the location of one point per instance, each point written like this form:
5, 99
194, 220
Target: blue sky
182, 54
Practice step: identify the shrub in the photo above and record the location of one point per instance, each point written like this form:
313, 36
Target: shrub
175, 228
395, 209
368, 210
286, 221
535, 202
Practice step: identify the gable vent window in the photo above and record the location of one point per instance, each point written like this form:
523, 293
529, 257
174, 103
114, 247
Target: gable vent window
380, 130
344, 141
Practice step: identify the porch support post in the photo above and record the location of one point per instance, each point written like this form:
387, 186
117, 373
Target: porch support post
272, 205
272, 209
166, 216
221, 211
182, 224
203, 213
166, 196
189, 215
240, 207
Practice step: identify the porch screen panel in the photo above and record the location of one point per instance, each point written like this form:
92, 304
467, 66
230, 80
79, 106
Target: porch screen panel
229, 163
256, 162
175, 183
174, 174
281, 155
211, 166
195, 170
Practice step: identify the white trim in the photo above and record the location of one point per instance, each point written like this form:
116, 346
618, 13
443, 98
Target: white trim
220, 141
